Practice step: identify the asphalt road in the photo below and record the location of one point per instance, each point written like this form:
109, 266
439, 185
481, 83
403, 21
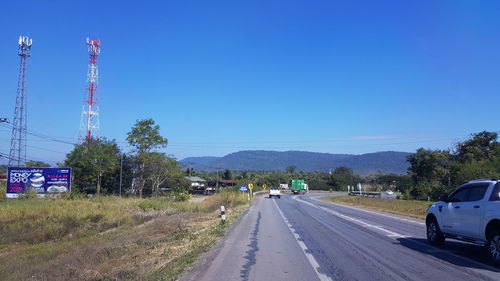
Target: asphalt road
303, 238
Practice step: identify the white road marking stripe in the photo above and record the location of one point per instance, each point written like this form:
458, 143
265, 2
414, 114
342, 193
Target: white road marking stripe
431, 249
357, 221
310, 258
372, 212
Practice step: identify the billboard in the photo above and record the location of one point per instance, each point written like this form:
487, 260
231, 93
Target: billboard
42, 180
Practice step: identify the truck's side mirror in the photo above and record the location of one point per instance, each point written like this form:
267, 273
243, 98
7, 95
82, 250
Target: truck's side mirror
444, 198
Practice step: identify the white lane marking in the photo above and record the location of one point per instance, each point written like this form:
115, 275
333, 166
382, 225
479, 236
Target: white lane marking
303, 246
431, 248
357, 221
372, 212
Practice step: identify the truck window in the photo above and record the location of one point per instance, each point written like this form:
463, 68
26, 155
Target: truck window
470, 192
495, 195
459, 195
477, 192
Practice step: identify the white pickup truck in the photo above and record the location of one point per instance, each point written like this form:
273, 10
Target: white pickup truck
274, 191
471, 213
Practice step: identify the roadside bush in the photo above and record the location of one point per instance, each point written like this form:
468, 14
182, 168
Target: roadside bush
73, 194
153, 204
425, 191
31, 194
180, 196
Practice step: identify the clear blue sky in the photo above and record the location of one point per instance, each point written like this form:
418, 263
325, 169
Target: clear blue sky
224, 76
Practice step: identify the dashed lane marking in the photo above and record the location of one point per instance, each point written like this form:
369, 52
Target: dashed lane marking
310, 258
357, 221
373, 212
431, 249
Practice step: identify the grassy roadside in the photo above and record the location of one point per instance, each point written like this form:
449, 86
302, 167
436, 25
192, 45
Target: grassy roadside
410, 208
108, 238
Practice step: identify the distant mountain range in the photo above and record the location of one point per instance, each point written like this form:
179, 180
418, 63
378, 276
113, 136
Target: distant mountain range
385, 162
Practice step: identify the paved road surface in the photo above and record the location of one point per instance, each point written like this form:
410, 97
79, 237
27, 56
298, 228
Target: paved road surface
303, 238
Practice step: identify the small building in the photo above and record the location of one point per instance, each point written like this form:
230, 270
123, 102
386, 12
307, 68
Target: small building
227, 183
199, 186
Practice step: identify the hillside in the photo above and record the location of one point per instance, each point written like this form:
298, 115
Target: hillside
385, 162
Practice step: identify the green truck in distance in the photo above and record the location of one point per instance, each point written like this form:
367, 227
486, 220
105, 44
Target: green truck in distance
298, 187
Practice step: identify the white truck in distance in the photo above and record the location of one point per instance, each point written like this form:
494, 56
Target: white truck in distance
274, 191
471, 213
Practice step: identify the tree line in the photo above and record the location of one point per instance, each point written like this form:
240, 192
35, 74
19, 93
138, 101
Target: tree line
436, 172
430, 174
99, 166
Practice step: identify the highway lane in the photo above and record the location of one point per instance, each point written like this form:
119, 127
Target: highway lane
304, 238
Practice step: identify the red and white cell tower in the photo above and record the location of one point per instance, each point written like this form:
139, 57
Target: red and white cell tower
89, 124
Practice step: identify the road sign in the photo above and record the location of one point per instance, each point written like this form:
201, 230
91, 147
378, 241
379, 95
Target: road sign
264, 186
243, 188
250, 186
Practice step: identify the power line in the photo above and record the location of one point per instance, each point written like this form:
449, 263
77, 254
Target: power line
39, 135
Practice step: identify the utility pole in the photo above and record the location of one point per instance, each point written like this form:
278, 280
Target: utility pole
121, 171
217, 181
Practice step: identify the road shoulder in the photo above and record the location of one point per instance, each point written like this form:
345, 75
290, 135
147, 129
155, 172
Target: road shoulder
372, 211
204, 261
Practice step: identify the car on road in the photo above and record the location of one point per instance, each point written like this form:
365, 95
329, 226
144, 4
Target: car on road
274, 191
470, 213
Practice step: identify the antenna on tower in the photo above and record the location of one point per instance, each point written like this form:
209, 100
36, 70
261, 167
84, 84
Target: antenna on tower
89, 124
17, 155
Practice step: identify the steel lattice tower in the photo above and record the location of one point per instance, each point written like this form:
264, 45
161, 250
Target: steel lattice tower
17, 155
89, 124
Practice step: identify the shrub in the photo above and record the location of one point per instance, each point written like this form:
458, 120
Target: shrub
180, 196
31, 194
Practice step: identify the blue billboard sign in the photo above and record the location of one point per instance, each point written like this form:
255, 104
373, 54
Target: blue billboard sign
42, 180
243, 188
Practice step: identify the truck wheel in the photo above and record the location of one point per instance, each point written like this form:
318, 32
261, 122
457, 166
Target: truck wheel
493, 246
279, 196
434, 235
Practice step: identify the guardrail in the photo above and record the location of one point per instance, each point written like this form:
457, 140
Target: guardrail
375, 194
366, 194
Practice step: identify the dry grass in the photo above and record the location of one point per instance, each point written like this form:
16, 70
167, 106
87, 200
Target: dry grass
2, 190
107, 238
410, 208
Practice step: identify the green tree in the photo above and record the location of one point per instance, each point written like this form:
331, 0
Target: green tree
429, 166
111, 184
341, 177
144, 137
478, 157
159, 169
481, 146
91, 161
176, 179
291, 169
190, 172
33, 163
227, 174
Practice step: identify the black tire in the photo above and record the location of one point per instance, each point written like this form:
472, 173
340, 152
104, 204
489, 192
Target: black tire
279, 196
493, 246
434, 235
